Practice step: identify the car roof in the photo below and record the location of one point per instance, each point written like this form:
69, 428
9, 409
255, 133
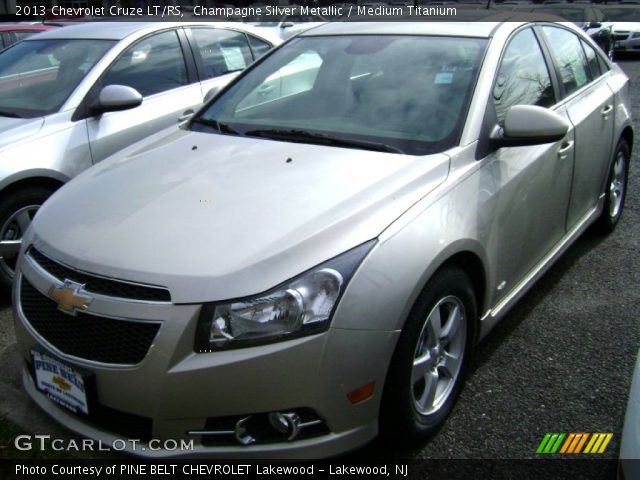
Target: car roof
120, 30
456, 29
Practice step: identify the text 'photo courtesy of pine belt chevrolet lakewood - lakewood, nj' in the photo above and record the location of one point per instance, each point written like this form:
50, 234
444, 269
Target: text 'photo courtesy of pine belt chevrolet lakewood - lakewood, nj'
308, 259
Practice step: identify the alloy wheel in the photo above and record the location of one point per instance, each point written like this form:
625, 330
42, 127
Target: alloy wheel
11, 233
617, 185
438, 355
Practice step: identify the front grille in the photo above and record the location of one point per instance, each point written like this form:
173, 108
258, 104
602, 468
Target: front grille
621, 36
86, 336
99, 285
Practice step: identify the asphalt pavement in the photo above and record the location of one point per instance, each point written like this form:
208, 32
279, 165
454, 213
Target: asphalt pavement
561, 361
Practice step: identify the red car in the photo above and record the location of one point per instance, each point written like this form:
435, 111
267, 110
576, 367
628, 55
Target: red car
10, 33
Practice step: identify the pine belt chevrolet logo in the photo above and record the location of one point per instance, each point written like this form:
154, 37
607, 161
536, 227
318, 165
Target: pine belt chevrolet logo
68, 297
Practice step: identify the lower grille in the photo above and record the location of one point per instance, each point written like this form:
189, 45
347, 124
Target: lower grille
86, 336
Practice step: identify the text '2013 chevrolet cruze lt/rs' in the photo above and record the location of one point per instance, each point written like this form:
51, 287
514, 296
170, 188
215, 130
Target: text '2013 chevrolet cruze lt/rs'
311, 259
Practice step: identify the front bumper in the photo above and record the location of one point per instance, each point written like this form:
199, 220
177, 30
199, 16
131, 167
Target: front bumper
625, 42
175, 393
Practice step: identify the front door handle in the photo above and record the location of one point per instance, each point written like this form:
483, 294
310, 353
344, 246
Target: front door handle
564, 149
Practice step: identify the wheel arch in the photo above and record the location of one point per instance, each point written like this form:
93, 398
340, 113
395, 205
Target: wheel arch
627, 136
32, 178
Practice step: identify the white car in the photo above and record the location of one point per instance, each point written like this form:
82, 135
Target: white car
70, 97
627, 36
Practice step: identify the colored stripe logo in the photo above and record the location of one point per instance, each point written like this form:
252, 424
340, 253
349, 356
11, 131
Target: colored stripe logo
574, 443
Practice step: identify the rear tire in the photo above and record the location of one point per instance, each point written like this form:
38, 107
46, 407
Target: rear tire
616, 189
16, 213
430, 360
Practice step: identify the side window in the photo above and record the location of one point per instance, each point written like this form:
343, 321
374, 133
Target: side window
5, 40
258, 46
592, 59
22, 35
604, 68
153, 65
569, 57
523, 77
222, 51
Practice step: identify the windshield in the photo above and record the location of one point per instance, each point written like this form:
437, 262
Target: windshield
37, 76
407, 94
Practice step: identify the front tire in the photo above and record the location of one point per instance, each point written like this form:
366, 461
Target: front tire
430, 361
616, 189
16, 213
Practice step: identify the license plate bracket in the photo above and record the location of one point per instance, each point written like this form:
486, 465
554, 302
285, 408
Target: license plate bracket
69, 386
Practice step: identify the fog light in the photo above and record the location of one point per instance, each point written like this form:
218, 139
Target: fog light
242, 434
285, 423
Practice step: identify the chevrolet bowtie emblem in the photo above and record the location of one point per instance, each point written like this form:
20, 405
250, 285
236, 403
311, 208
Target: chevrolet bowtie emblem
61, 383
68, 297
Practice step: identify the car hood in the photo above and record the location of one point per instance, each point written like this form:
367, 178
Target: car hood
213, 217
13, 130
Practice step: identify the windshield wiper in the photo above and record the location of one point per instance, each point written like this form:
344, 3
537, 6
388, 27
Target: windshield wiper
301, 136
219, 126
7, 113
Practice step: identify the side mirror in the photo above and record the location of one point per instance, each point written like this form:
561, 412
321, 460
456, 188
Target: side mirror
211, 93
529, 125
287, 24
114, 98
594, 25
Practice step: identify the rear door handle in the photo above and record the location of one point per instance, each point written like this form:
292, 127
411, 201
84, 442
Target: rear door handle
606, 111
185, 116
564, 149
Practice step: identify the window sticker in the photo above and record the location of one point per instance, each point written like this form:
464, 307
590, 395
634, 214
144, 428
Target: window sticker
443, 78
579, 73
233, 58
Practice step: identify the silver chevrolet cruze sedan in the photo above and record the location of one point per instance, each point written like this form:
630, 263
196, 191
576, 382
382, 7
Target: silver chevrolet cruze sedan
73, 96
312, 258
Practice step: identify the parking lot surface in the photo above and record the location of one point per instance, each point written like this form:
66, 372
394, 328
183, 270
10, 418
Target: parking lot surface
561, 361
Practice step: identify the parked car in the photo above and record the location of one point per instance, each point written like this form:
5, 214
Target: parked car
287, 25
73, 96
10, 33
591, 18
287, 278
627, 36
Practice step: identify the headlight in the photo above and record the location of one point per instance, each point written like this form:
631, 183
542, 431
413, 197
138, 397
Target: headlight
301, 306
635, 35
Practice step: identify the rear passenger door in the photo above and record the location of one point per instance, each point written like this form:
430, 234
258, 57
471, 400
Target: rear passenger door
156, 67
220, 54
589, 104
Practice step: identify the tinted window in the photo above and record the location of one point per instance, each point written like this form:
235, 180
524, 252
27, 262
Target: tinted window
258, 46
604, 68
21, 35
523, 77
37, 76
569, 57
153, 65
221, 51
592, 59
410, 93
